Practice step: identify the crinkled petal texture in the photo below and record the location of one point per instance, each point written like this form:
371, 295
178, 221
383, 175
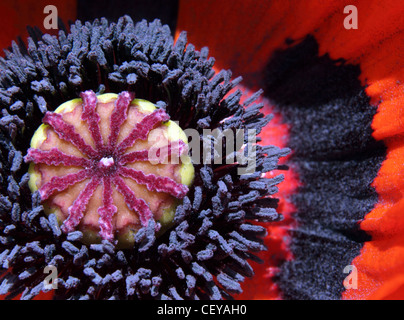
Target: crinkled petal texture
281, 46
380, 265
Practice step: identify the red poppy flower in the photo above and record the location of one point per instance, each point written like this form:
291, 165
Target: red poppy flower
336, 96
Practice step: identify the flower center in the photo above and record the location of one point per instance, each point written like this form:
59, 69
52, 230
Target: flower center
90, 163
107, 162
106, 166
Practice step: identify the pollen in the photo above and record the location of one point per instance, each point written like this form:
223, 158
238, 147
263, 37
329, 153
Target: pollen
107, 164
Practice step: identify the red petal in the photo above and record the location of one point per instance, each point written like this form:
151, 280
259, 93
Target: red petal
16, 15
243, 37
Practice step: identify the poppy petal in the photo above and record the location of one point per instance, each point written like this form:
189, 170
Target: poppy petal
244, 37
16, 15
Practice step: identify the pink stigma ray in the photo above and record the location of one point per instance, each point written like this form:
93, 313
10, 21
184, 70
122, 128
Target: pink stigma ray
156, 155
119, 116
143, 128
138, 205
107, 211
91, 116
62, 183
155, 183
55, 157
79, 205
66, 132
